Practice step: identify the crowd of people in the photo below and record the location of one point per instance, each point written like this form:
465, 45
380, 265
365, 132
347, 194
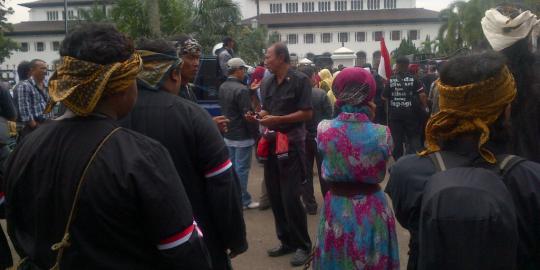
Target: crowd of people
116, 166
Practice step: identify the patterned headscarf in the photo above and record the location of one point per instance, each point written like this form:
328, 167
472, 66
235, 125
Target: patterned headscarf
80, 84
189, 47
156, 67
468, 109
354, 86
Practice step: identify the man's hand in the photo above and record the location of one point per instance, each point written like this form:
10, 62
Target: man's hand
32, 124
270, 121
251, 117
222, 123
255, 85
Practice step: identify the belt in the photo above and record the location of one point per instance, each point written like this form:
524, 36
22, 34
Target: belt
352, 189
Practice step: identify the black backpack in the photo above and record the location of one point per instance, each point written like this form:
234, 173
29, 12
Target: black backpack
468, 218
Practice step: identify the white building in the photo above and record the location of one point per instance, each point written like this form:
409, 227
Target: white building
316, 27
41, 36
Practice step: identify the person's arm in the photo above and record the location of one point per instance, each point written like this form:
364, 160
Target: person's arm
9, 111
222, 185
166, 211
224, 58
385, 96
25, 96
419, 87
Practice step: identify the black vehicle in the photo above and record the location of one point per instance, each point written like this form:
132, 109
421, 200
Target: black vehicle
206, 85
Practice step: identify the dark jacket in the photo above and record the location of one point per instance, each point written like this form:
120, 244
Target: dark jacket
322, 109
409, 175
235, 102
202, 161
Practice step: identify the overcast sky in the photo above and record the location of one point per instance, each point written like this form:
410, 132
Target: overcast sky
21, 13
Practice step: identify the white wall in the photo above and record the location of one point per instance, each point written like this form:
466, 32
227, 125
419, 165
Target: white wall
40, 14
48, 55
248, 8
369, 47
265, 4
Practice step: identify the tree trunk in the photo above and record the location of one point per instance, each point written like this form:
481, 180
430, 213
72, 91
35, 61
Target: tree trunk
152, 7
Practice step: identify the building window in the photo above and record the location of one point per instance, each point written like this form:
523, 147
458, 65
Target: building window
357, 4
343, 37
275, 8
376, 59
324, 6
52, 15
378, 35
340, 5
292, 39
291, 7
395, 35
24, 46
56, 46
326, 37
373, 4
71, 14
40, 46
309, 38
414, 35
360, 36
390, 4
308, 7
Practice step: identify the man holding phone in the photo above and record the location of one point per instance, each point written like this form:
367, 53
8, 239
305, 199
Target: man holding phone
235, 102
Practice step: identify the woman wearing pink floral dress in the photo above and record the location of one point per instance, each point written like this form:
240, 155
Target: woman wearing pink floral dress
357, 226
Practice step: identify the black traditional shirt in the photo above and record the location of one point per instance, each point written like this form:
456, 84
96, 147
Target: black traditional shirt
202, 161
410, 174
133, 212
292, 95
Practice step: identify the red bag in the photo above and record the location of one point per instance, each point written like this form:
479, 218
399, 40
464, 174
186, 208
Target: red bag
282, 145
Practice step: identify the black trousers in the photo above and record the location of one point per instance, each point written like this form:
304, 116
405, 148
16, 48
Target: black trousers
312, 154
406, 132
284, 178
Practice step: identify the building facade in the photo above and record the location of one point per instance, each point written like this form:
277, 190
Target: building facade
41, 36
318, 27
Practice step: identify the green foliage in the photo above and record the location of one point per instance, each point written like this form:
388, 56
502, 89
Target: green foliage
273, 38
250, 44
97, 13
213, 20
406, 47
6, 44
131, 18
429, 46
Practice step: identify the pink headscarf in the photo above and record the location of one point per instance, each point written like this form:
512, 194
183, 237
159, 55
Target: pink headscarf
354, 86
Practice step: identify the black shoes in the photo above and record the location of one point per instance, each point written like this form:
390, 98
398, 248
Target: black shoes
280, 251
301, 257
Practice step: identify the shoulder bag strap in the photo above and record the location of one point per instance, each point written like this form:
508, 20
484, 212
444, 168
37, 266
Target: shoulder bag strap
65, 243
438, 161
507, 162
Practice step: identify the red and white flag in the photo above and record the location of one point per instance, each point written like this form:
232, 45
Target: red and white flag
385, 68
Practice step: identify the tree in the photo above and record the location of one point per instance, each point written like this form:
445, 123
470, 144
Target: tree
6, 44
406, 47
251, 43
429, 46
213, 20
133, 17
97, 13
152, 7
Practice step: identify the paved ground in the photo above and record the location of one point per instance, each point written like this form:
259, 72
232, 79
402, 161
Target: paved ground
261, 233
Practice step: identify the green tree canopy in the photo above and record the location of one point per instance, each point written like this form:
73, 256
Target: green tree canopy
6, 44
406, 47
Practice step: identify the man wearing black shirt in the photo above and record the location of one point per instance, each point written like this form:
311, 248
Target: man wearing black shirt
132, 211
197, 150
407, 104
286, 99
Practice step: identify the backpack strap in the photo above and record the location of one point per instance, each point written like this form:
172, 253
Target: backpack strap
65, 242
506, 163
438, 161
